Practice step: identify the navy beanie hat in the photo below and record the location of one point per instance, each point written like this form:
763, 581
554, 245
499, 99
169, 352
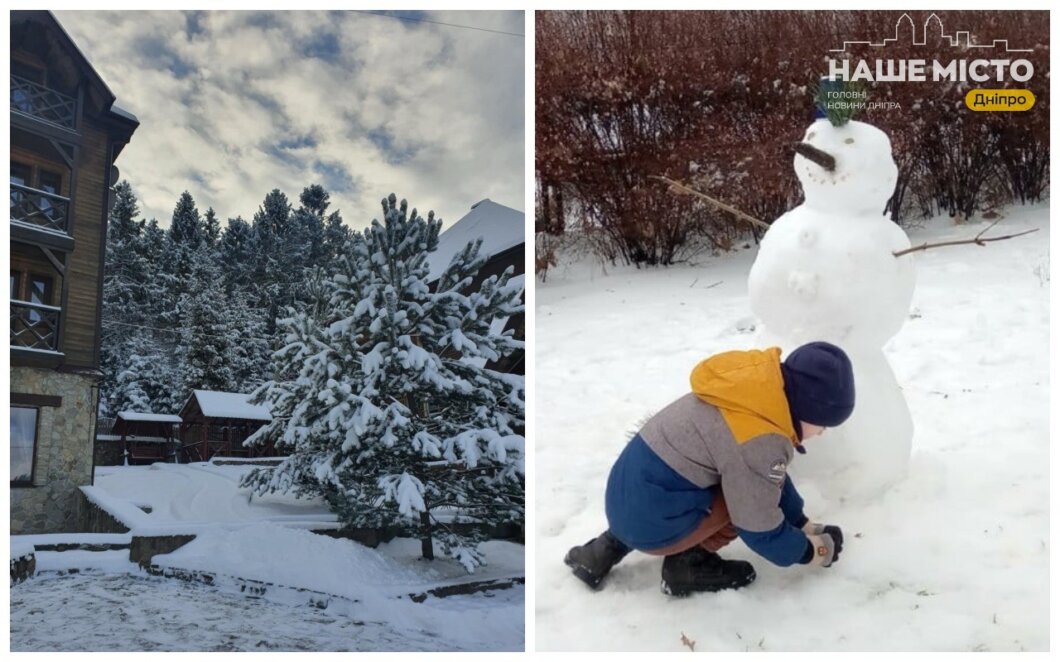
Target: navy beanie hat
819, 385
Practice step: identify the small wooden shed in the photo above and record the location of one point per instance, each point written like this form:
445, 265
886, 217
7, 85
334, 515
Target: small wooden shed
503, 234
145, 437
216, 423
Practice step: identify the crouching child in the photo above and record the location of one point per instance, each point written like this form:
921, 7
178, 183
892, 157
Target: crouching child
712, 466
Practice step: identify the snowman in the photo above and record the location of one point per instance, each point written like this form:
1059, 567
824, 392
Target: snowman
826, 271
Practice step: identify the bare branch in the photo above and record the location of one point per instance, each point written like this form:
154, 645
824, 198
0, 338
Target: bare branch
978, 241
681, 188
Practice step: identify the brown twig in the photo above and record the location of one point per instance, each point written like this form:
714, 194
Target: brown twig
978, 241
717, 203
688, 643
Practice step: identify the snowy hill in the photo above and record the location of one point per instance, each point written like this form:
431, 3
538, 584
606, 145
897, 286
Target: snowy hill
955, 557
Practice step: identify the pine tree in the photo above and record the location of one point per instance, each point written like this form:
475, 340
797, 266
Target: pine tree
186, 229
336, 235
124, 277
184, 241
307, 225
146, 381
207, 345
272, 231
250, 349
238, 255
380, 397
211, 227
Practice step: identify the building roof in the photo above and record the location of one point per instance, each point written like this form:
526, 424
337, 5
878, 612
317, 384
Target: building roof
97, 85
121, 112
146, 416
500, 227
218, 404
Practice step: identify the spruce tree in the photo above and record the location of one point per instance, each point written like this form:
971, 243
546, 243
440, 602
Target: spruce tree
211, 227
186, 228
184, 241
124, 293
207, 344
238, 255
380, 398
307, 225
336, 236
272, 273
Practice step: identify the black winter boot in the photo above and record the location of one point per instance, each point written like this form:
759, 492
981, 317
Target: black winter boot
592, 561
697, 569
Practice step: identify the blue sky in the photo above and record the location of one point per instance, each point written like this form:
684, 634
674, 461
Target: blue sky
234, 104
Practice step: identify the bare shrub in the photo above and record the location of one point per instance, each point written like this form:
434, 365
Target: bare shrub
718, 99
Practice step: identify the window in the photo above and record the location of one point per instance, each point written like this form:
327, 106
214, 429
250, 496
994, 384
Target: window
35, 288
21, 99
21, 173
38, 177
23, 444
40, 291
50, 182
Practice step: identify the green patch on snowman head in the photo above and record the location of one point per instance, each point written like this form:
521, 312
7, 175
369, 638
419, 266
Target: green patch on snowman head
839, 100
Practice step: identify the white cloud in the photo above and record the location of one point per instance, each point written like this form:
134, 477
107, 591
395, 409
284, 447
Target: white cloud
433, 113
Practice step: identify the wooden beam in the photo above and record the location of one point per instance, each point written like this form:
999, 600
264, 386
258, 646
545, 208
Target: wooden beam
59, 266
35, 400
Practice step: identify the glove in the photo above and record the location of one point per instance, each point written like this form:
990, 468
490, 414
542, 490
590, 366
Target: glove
825, 549
815, 529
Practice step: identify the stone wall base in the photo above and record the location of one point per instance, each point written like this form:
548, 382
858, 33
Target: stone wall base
23, 568
93, 519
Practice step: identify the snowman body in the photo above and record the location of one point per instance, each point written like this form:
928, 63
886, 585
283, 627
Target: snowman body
826, 270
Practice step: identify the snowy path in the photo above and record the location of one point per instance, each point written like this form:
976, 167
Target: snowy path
133, 612
956, 557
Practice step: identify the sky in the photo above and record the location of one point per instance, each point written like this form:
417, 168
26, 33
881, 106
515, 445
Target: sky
234, 104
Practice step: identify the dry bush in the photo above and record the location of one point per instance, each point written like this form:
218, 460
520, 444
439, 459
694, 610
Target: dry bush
718, 99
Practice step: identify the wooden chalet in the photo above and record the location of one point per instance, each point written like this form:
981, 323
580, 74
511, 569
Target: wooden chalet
144, 438
503, 234
66, 133
215, 423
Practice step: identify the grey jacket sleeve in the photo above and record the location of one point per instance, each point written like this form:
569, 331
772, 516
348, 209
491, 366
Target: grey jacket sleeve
752, 482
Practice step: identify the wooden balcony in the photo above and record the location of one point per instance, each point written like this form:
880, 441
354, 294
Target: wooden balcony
35, 326
40, 209
42, 103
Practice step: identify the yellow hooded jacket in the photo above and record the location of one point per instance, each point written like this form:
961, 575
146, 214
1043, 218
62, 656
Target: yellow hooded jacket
747, 387
733, 431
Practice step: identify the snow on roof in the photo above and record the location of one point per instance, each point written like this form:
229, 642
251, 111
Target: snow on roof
146, 416
218, 404
500, 227
118, 110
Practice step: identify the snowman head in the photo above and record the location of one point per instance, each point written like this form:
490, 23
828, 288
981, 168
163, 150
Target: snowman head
862, 174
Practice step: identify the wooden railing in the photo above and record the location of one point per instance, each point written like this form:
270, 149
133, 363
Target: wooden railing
43, 103
40, 208
35, 325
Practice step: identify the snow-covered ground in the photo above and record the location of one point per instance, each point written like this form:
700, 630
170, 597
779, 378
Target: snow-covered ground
260, 540
956, 557
186, 497
134, 612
